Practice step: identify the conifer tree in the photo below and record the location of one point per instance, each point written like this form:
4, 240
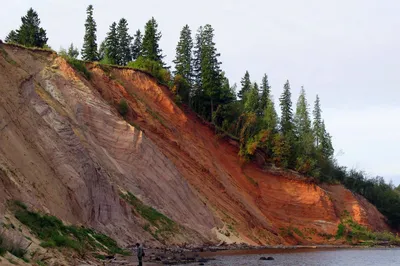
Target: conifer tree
111, 52
265, 93
137, 45
197, 55
183, 59
101, 54
317, 123
124, 43
12, 37
246, 85
227, 92
305, 162
150, 44
89, 50
210, 70
73, 51
251, 99
287, 127
326, 143
30, 33
286, 110
302, 116
270, 119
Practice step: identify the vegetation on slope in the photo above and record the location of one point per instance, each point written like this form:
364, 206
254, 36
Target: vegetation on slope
158, 225
355, 233
54, 233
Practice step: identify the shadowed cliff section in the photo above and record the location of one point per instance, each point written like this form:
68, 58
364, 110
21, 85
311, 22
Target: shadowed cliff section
65, 149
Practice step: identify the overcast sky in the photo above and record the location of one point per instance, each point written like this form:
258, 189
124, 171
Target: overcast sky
347, 51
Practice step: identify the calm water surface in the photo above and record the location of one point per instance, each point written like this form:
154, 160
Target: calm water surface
309, 257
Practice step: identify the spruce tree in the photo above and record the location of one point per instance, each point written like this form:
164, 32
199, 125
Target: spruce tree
287, 127
30, 33
183, 59
326, 146
73, 51
302, 116
197, 56
150, 44
265, 93
12, 37
208, 91
286, 110
111, 52
317, 123
251, 99
89, 50
246, 85
210, 70
270, 119
101, 54
305, 162
124, 42
197, 90
136, 48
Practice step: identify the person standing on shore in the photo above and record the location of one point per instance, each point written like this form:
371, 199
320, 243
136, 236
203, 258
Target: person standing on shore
140, 253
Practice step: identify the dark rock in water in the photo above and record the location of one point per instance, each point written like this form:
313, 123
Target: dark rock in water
264, 258
203, 260
201, 263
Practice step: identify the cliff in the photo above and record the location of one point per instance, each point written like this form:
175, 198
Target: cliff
66, 150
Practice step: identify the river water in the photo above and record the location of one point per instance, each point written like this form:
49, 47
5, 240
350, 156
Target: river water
309, 257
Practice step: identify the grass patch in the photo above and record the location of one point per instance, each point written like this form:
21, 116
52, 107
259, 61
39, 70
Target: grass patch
54, 233
159, 225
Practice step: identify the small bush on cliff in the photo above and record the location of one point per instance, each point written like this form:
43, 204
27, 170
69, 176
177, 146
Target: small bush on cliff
152, 67
123, 107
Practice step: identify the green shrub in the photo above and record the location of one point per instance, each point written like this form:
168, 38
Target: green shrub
123, 107
340, 231
80, 67
152, 67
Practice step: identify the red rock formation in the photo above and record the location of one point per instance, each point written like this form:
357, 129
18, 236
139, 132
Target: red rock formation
65, 149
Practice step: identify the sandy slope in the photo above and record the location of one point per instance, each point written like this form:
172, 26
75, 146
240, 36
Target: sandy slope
64, 149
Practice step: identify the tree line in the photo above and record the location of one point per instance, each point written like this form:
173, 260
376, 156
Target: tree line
297, 139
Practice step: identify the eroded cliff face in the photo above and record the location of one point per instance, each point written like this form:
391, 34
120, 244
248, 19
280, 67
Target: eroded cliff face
65, 150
